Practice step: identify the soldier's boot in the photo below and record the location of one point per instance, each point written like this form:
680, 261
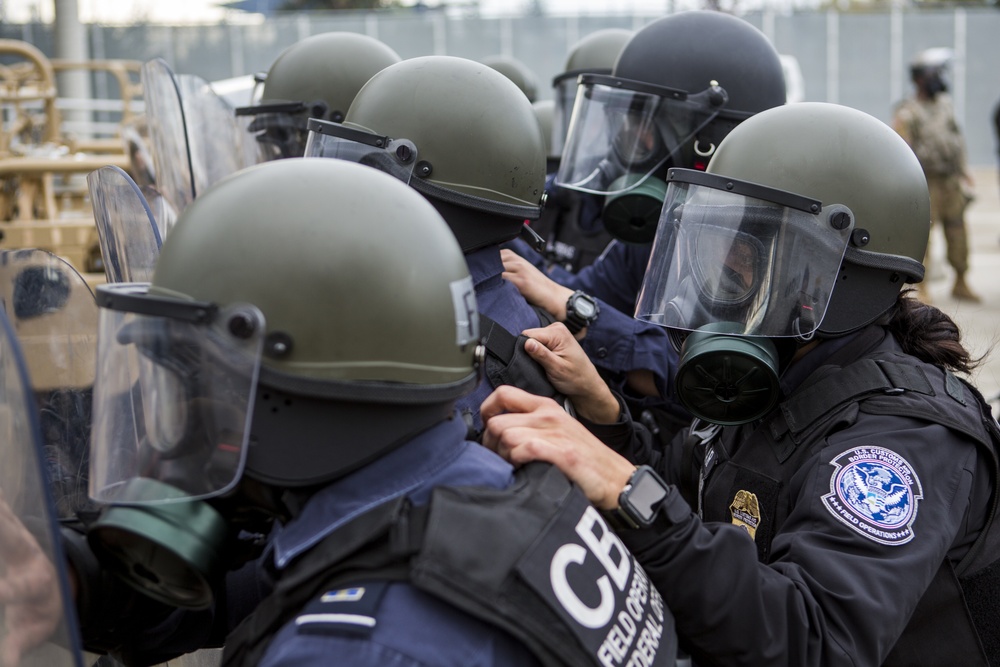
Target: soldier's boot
962, 292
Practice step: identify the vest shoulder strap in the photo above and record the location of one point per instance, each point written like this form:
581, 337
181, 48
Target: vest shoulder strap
508, 363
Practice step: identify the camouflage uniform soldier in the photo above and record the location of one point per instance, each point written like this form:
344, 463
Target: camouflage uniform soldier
926, 121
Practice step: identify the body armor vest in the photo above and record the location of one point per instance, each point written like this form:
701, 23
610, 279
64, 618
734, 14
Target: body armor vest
536, 560
884, 383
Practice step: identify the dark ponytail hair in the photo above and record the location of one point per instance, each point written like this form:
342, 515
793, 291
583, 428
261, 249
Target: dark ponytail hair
929, 335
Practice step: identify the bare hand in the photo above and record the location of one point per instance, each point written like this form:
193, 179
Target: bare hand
29, 589
536, 287
570, 370
522, 427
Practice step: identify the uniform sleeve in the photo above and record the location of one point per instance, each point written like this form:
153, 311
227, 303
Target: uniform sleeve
874, 514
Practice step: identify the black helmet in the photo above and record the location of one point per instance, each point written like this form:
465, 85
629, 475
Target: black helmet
679, 86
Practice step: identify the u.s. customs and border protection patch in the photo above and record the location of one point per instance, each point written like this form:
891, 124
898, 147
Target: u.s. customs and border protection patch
875, 492
745, 511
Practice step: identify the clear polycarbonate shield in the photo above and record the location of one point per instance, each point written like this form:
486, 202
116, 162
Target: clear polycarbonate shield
564, 94
621, 132
54, 315
277, 131
127, 230
762, 261
174, 395
196, 138
38, 626
167, 129
217, 142
333, 140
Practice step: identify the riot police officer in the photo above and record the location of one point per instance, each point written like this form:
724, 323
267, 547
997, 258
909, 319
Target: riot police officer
465, 137
316, 77
234, 403
845, 477
571, 222
679, 85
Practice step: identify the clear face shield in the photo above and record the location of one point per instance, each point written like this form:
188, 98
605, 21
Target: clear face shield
174, 396
762, 261
397, 157
564, 93
621, 132
739, 273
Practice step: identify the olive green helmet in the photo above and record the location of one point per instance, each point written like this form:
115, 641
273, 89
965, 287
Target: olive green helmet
330, 67
517, 72
371, 327
839, 155
479, 150
316, 77
544, 110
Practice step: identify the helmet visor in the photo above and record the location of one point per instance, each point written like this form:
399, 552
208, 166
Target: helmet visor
174, 393
763, 261
622, 132
278, 130
393, 156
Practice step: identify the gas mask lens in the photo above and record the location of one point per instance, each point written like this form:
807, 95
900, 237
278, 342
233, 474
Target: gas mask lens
174, 394
763, 261
728, 262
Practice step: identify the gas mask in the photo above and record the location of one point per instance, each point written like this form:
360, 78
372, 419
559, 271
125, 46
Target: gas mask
172, 409
740, 274
622, 135
933, 82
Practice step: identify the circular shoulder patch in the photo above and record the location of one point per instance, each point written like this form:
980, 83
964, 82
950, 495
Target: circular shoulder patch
874, 491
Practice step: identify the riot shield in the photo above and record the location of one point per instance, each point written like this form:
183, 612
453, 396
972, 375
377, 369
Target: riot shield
216, 140
128, 231
166, 124
37, 624
196, 138
54, 315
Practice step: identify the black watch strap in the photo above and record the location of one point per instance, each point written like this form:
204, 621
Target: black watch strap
581, 311
640, 500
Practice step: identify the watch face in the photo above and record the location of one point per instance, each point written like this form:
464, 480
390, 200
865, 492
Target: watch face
646, 493
584, 308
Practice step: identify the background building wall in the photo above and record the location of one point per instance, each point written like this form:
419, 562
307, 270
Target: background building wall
857, 59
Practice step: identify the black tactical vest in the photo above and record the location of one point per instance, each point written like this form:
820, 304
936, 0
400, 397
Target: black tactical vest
536, 560
832, 399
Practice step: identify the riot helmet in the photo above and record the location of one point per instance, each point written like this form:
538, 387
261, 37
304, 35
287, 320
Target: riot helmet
808, 222
679, 85
316, 77
929, 70
457, 131
266, 352
594, 54
519, 74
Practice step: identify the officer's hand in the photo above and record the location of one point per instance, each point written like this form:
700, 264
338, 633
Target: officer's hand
570, 370
536, 287
29, 590
522, 427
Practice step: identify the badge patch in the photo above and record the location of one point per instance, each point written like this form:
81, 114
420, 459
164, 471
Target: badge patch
875, 492
746, 512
